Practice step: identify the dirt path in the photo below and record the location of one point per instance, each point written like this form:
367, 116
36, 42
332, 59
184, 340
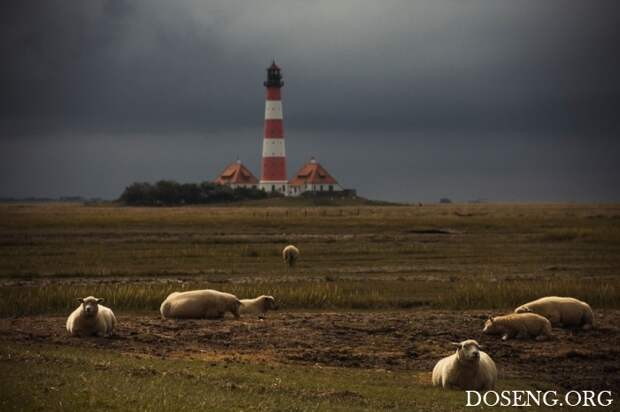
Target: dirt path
411, 340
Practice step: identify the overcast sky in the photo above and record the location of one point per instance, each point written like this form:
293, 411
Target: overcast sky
403, 100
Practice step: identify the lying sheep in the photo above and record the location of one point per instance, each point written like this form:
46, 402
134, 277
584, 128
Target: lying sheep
197, 304
467, 369
290, 254
259, 305
91, 318
519, 325
561, 311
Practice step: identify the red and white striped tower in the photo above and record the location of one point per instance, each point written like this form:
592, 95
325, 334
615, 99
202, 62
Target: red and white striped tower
273, 172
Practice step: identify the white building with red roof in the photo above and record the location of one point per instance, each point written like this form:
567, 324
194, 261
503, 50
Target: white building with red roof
237, 175
312, 177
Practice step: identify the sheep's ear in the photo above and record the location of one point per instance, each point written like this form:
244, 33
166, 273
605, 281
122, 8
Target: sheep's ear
491, 318
100, 300
456, 344
81, 300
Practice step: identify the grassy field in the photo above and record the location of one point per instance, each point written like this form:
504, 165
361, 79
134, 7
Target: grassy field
77, 379
450, 256
364, 258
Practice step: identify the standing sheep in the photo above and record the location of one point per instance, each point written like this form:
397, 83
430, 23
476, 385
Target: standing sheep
561, 311
91, 318
519, 325
290, 254
259, 305
198, 304
467, 369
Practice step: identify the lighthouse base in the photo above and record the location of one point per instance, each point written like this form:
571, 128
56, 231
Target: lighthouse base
269, 186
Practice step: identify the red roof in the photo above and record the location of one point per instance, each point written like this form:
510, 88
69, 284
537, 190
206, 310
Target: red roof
313, 173
236, 173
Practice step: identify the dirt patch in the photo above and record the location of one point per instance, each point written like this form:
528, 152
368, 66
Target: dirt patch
407, 340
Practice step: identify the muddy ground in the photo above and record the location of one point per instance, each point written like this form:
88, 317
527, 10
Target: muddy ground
408, 340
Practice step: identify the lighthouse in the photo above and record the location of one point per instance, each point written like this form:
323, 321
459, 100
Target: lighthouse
273, 166
311, 179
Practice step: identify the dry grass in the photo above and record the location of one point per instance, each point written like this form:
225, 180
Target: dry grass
509, 294
376, 256
325, 295
59, 299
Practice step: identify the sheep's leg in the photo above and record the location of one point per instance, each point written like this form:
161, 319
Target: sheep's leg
511, 334
522, 334
555, 319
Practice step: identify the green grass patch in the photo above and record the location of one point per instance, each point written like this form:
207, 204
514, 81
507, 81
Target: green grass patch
43, 377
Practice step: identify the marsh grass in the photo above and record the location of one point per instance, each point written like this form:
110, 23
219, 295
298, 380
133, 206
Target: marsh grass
63, 240
317, 295
57, 299
599, 293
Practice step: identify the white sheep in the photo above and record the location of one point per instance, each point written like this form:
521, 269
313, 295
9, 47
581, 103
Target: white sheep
197, 304
519, 325
468, 368
91, 318
290, 254
259, 305
561, 311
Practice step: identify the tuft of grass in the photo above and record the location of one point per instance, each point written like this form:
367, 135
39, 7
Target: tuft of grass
567, 234
375, 294
331, 294
599, 293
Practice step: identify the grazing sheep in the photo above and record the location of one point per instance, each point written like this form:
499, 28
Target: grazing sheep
91, 318
519, 325
259, 305
561, 311
467, 369
290, 254
197, 304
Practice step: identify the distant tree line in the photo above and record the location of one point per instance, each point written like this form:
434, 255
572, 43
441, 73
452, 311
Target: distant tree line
168, 192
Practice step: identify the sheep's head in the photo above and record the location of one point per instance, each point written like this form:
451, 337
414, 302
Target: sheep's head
270, 303
491, 327
90, 305
468, 350
523, 309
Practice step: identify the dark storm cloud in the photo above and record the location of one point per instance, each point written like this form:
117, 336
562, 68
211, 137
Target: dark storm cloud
496, 93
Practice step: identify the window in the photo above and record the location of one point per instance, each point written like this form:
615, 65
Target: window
331, 188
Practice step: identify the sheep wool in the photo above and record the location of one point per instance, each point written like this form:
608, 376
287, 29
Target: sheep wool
91, 318
198, 304
468, 368
259, 305
518, 325
290, 254
561, 311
